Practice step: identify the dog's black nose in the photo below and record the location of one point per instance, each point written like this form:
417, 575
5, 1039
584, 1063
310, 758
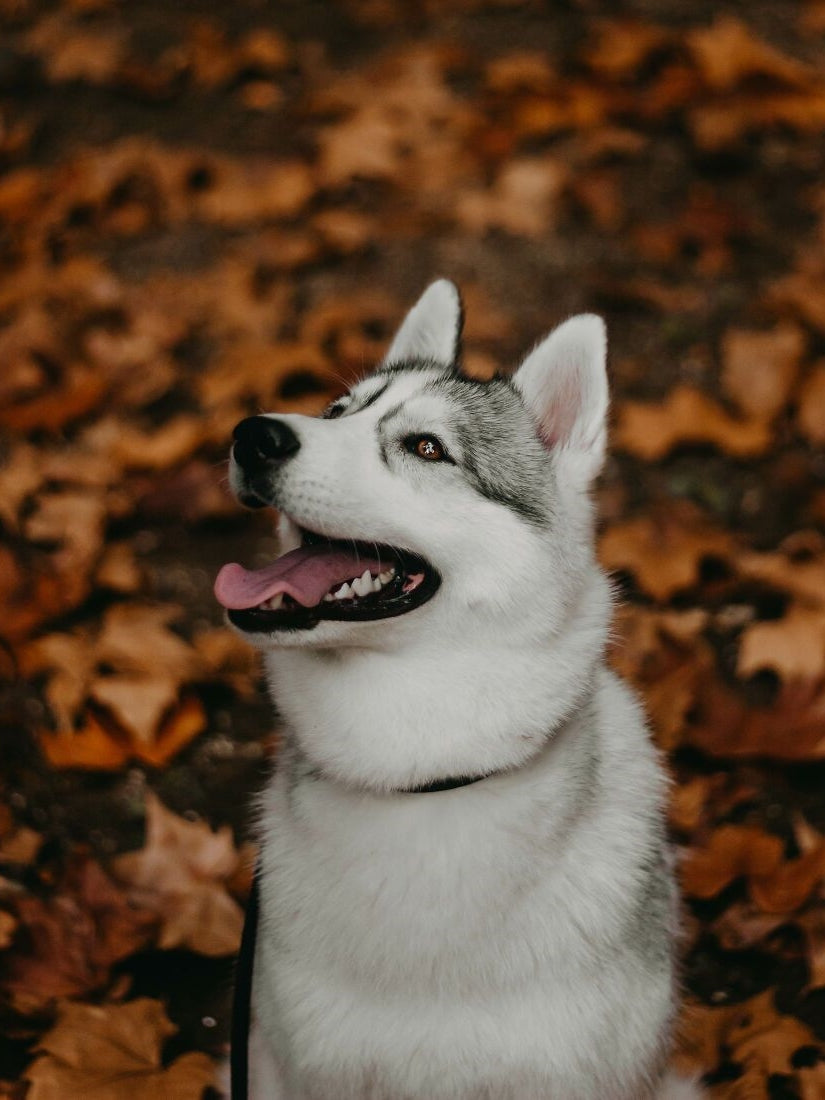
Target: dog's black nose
260, 440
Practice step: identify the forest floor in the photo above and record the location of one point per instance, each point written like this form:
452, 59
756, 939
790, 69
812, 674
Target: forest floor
211, 209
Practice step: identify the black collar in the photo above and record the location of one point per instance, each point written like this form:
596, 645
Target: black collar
444, 784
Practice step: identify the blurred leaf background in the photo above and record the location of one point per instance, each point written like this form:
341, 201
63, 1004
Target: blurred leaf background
207, 210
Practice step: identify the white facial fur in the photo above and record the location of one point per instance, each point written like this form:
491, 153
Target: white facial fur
510, 589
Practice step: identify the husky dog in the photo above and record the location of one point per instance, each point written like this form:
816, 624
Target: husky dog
464, 886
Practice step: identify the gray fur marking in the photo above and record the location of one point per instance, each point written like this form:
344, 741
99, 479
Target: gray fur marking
491, 422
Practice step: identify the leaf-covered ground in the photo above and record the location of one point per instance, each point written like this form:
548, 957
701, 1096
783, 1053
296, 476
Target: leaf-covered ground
211, 209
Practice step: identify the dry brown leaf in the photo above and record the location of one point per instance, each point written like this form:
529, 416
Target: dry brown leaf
402, 123
183, 725
728, 52
810, 415
519, 71
181, 875
759, 369
8, 926
90, 745
129, 447
70, 660
793, 646
146, 666
812, 923
686, 416
621, 47
744, 925
138, 703
227, 657
798, 568
81, 392
664, 552
18, 843
135, 637
75, 520
811, 1081
70, 940
733, 851
246, 191
523, 199
763, 1041
664, 655
699, 1035
253, 368
21, 475
70, 51
789, 886
687, 803
752, 1034
113, 1052
118, 568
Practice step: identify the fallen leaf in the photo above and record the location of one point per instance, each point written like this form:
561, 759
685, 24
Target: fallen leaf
18, 843
789, 886
763, 1041
728, 52
733, 851
135, 669
759, 369
744, 925
664, 552
812, 924
8, 925
686, 416
797, 568
113, 1052
793, 646
791, 728
180, 874
621, 47
810, 415
523, 199
70, 939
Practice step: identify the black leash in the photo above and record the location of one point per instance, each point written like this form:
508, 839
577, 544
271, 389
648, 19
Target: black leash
242, 998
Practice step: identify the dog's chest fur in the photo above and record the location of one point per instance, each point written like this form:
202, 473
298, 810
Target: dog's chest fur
500, 928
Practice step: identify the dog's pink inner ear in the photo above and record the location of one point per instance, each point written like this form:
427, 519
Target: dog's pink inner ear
564, 386
559, 419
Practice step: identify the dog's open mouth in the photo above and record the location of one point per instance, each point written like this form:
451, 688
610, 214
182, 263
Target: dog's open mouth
325, 579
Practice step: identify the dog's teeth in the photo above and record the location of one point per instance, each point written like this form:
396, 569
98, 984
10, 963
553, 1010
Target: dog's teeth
363, 584
329, 598
386, 576
343, 593
376, 584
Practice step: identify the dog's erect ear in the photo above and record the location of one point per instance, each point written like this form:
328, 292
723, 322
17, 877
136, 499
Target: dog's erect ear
432, 328
564, 385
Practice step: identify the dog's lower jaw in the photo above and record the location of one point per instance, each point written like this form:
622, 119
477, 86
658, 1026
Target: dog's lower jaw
509, 939
487, 705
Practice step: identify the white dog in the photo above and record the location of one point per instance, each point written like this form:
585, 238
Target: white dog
464, 885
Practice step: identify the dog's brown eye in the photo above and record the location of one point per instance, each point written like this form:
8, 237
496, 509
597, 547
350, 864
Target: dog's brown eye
427, 447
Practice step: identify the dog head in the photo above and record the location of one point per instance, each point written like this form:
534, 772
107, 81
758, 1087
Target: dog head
425, 503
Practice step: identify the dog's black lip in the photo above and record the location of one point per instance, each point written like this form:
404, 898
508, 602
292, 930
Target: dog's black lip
393, 600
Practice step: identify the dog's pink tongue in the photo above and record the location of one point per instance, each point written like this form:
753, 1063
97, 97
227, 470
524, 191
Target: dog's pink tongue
305, 574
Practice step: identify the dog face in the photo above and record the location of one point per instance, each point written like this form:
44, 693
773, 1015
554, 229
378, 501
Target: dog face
424, 502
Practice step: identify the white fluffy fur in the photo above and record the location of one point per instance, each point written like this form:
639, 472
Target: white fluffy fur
497, 941
432, 327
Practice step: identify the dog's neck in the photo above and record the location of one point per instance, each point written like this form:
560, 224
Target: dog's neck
407, 719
